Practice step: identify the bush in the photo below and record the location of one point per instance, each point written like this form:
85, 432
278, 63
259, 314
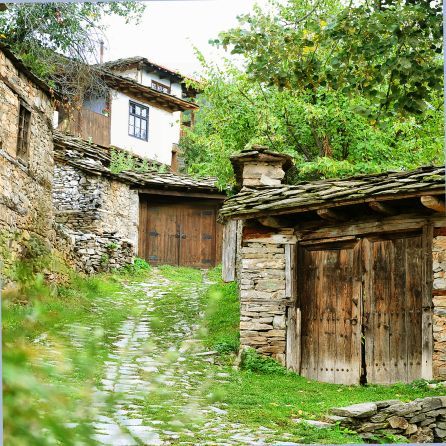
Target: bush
256, 363
138, 267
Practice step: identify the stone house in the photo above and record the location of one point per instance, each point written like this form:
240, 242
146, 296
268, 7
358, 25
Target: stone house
26, 158
113, 216
344, 281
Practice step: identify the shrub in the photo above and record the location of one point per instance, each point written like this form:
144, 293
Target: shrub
256, 363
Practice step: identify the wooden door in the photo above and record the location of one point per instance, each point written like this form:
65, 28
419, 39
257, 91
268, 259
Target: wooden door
161, 243
181, 234
329, 295
393, 297
198, 236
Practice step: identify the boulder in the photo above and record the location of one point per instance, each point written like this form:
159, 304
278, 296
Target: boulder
398, 423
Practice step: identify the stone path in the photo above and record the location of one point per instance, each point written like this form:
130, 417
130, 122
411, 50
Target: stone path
152, 391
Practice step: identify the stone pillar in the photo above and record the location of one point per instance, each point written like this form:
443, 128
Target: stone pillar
439, 302
258, 166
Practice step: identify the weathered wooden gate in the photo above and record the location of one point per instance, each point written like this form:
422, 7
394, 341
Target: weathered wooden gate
361, 302
184, 234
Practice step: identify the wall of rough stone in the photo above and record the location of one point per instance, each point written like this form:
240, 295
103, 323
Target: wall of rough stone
439, 302
25, 187
263, 295
420, 421
100, 214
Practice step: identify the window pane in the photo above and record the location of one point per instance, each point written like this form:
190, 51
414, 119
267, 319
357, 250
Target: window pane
132, 108
144, 112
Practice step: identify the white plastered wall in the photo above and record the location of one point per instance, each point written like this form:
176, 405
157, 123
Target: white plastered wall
164, 130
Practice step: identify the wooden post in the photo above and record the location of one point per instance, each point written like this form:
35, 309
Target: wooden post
229, 251
426, 321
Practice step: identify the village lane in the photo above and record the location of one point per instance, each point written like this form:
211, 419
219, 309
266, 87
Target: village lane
158, 383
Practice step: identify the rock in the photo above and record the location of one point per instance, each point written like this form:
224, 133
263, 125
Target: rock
361, 410
398, 423
427, 421
386, 403
370, 427
402, 409
314, 423
423, 435
440, 433
429, 404
379, 417
411, 429
417, 418
338, 419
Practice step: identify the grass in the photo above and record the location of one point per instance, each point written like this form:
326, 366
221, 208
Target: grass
56, 339
263, 393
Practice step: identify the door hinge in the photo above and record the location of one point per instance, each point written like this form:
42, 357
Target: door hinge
207, 237
153, 234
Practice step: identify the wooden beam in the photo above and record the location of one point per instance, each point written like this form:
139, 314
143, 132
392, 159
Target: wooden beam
275, 222
434, 203
381, 208
174, 193
331, 215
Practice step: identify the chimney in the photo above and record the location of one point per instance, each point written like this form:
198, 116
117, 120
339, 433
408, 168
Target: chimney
101, 51
258, 166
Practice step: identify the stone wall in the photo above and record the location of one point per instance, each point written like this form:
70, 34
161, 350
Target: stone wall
420, 421
25, 185
100, 214
263, 294
439, 302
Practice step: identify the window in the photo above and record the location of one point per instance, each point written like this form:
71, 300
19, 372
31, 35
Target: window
23, 133
158, 86
138, 121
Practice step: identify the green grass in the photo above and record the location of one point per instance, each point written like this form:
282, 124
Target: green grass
263, 393
56, 339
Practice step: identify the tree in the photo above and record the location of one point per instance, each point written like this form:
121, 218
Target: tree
387, 50
59, 40
322, 84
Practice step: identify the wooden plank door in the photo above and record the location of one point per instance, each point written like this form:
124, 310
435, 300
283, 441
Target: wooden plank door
198, 236
162, 234
329, 297
393, 301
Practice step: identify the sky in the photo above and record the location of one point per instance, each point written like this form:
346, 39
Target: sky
169, 30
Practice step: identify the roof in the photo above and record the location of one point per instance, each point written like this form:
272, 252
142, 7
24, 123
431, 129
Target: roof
146, 93
314, 195
137, 61
96, 159
22, 68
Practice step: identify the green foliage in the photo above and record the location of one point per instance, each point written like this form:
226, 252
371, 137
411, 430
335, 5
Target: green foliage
328, 84
325, 133
122, 161
138, 268
222, 315
48, 383
254, 362
388, 51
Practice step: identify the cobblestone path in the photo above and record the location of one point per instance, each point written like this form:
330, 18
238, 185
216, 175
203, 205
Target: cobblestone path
157, 374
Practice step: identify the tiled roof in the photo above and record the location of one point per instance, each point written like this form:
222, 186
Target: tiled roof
96, 159
314, 195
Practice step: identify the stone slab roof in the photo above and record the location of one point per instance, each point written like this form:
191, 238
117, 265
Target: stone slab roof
314, 195
95, 159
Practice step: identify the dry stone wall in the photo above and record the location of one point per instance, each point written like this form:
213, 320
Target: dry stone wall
263, 296
420, 421
439, 302
25, 184
100, 214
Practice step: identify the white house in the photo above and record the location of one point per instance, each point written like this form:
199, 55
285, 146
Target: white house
143, 113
